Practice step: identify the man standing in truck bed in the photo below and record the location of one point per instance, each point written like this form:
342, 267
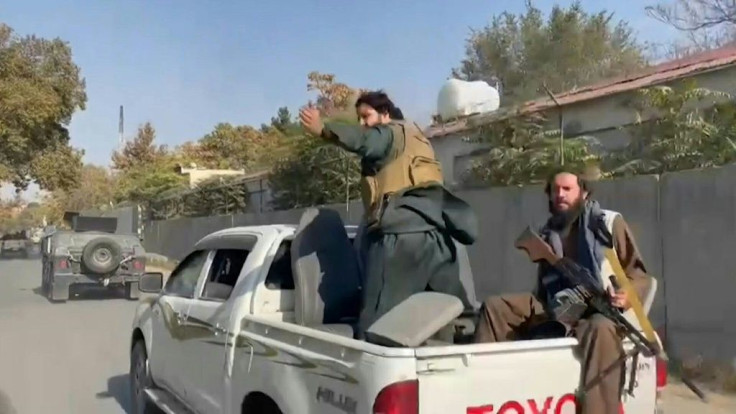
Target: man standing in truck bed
577, 229
410, 217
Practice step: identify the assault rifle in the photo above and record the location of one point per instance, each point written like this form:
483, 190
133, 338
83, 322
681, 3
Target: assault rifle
582, 280
587, 287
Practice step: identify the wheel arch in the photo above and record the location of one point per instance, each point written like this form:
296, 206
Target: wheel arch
259, 402
136, 337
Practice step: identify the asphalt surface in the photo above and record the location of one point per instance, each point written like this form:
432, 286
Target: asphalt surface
73, 357
61, 358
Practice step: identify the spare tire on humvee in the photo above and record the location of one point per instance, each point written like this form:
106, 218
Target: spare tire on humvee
92, 253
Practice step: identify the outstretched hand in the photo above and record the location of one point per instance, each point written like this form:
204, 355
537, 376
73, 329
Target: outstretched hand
311, 120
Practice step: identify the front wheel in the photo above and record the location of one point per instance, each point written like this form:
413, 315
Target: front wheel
140, 380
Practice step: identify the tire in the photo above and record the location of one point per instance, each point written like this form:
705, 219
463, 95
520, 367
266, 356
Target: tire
45, 279
44, 285
102, 255
140, 379
131, 291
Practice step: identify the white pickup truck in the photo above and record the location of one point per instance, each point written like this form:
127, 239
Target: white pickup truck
260, 320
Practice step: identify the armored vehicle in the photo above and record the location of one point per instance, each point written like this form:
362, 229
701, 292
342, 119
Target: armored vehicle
90, 254
15, 244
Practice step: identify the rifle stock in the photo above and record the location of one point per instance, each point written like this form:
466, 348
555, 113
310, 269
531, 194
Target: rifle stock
535, 247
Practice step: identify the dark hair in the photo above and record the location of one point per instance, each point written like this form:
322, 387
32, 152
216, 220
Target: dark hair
379, 101
395, 113
582, 181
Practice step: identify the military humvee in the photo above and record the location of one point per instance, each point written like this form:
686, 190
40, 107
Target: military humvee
14, 244
90, 254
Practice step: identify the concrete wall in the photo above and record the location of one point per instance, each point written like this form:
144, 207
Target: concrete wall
684, 223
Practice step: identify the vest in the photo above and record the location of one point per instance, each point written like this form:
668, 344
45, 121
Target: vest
607, 270
605, 267
411, 163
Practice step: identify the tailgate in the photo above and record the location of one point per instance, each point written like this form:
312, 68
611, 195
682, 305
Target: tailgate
517, 377
520, 377
643, 397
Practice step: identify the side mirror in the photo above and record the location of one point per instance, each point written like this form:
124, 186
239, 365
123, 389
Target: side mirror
151, 282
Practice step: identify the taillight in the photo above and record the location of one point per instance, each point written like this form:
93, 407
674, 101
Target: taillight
398, 398
661, 374
137, 265
63, 264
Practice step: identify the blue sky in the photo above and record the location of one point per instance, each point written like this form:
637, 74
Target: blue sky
186, 65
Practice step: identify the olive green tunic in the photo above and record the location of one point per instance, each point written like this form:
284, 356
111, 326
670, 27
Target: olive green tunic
412, 249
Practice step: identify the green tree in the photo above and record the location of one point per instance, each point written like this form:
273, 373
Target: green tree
145, 169
570, 48
282, 122
314, 172
144, 185
139, 152
522, 151
678, 128
96, 190
229, 147
40, 89
215, 196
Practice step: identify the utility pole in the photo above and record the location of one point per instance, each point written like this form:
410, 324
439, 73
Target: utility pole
121, 139
562, 125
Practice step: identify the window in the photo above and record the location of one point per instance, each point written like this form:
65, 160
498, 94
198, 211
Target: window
183, 280
280, 276
224, 272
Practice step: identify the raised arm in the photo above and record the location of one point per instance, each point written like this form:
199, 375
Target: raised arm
371, 143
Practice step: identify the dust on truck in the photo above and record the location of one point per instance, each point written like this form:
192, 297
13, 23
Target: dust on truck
92, 253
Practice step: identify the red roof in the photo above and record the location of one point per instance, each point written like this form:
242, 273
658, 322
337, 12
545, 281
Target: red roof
653, 75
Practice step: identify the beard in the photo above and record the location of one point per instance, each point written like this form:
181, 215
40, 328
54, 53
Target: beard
562, 221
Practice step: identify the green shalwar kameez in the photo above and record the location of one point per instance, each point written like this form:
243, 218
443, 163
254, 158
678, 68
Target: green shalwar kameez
411, 250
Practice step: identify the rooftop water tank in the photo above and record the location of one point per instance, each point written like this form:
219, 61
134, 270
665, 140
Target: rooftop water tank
459, 98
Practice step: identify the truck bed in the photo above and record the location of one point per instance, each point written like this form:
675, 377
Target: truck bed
525, 376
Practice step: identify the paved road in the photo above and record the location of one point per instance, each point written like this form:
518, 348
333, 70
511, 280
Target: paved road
73, 357
61, 358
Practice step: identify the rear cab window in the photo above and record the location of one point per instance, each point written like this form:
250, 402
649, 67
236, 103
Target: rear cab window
227, 264
280, 276
229, 255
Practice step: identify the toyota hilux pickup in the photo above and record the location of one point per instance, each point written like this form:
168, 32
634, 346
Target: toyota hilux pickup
262, 319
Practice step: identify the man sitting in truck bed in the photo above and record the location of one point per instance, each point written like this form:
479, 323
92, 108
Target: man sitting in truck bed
576, 229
